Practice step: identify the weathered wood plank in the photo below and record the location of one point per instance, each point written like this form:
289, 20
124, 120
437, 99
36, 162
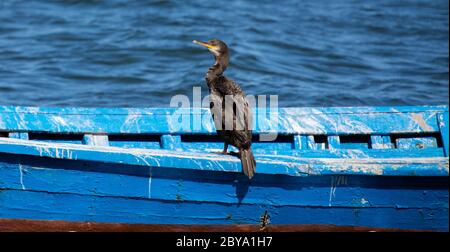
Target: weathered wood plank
71, 207
267, 164
287, 121
204, 186
381, 142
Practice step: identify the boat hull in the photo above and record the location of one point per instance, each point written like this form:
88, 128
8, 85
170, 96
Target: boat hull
46, 189
366, 167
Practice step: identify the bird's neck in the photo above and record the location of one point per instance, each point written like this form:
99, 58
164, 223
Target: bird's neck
216, 70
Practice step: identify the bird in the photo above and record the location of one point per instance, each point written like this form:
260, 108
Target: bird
223, 91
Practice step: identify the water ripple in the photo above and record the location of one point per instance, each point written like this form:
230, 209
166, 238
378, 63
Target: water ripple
100, 53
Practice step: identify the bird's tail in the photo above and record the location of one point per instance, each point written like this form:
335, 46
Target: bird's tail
248, 162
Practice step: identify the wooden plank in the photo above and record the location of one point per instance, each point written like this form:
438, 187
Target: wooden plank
291, 122
357, 153
314, 150
381, 142
145, 141
180, 186
267, 164
72, 207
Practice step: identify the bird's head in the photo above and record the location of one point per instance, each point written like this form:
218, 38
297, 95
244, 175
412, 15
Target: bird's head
217, 47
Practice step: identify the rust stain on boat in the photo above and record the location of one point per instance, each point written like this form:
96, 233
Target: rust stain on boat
20, 225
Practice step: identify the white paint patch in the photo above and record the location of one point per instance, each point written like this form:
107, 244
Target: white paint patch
156, 157
21, 176
348, 125
335, 182
150, 184
332, 193
364, 201
59, 120
418, 118
308, 124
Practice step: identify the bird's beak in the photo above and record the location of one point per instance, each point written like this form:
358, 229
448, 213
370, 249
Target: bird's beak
204, 44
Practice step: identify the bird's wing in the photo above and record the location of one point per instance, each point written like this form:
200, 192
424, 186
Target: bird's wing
242, 113
229, 101
242, 122
231, 112
215, 105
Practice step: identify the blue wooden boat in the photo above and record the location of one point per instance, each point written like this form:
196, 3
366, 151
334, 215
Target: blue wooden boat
374, 167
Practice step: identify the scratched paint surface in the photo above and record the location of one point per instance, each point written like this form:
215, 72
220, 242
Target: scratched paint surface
300, 121
395, 175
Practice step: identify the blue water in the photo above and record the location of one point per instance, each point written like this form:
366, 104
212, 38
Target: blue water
139, 53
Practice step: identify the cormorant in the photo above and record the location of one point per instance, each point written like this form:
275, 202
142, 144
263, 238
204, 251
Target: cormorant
222, 91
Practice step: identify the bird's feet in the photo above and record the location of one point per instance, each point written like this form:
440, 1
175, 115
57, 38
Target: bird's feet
224, 151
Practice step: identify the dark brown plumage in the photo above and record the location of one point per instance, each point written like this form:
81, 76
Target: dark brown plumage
227, 100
